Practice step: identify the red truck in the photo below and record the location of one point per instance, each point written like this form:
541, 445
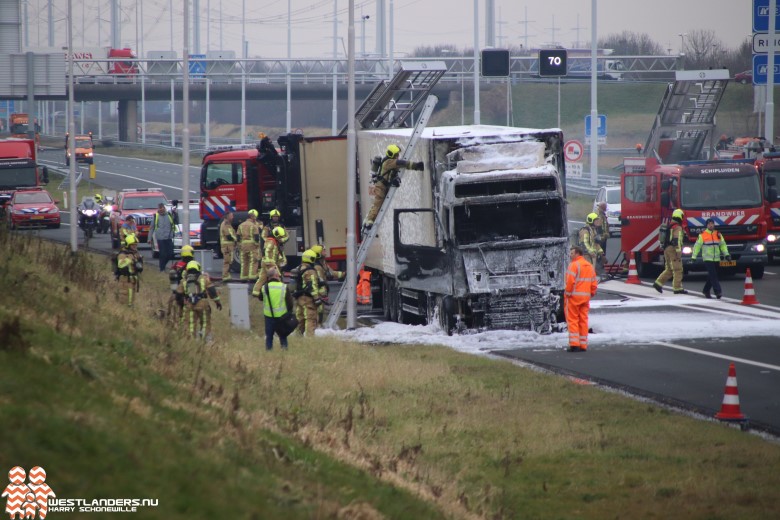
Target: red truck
18, 168
304, 179
20, 126
729, 192
768, 165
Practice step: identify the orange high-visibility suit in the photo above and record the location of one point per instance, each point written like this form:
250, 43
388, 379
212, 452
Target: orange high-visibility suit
364, 287
581, 285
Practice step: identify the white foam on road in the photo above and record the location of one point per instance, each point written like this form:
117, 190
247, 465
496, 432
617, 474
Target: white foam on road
633, 321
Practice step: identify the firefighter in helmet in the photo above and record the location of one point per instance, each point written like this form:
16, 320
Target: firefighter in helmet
307, 292
195, 290
175, 275
273, 257
671, 241
127, 268
589, 239
385, 174
227, 241
276, 221
249, 234
325, 273
127, 228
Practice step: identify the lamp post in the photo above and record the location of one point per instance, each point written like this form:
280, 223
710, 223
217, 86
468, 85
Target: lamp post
682, 42
363, 34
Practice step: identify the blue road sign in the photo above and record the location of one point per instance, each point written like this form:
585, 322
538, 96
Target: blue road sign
197, 65
761, 16
759, 69
601, 128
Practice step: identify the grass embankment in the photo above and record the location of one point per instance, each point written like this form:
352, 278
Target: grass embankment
115, 403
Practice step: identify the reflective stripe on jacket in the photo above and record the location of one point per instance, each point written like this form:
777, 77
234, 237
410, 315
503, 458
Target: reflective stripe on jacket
712, 246
676, 237
581, 281
588, 237
277, 306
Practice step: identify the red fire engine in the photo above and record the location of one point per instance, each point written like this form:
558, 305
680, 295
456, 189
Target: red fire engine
305, 180
728, 192
769, 169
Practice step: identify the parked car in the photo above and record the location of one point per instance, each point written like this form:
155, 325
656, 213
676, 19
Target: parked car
142, 204
610, 195
195, 222
744, 77
32, 207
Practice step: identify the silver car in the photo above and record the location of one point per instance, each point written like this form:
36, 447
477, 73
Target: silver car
610, 195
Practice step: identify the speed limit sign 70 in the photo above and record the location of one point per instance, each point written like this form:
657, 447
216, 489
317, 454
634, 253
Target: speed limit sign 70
572, 150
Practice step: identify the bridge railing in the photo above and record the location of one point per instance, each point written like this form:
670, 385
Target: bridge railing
322, 71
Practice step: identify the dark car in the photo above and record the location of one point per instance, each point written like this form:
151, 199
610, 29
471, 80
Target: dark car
32, 207
744, 77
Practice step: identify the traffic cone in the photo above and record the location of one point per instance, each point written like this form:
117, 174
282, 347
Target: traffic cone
633, 276
750, 295
729, 410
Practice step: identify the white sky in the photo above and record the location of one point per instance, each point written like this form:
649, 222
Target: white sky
614, 322
416, 22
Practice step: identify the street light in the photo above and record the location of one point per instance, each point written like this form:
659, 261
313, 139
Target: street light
363, 34
682, 41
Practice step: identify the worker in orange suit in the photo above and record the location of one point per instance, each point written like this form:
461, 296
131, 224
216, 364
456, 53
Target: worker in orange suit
581, 285
364, 287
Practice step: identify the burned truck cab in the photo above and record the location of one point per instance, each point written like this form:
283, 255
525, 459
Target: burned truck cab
491, 249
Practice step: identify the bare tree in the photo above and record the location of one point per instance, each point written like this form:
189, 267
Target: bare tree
631, 44
702, 49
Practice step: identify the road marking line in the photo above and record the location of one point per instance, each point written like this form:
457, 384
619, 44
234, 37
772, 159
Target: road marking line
721, 356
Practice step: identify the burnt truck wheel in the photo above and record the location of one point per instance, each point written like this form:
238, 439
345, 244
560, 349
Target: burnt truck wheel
446, 309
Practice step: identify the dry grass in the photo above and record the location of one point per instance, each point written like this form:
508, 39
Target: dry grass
477, 438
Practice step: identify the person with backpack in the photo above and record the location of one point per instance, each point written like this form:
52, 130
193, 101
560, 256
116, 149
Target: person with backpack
128, 265
277, 302
195, 290
175, 274
671, 242
589, 236
385, 174
712, 247
307, 293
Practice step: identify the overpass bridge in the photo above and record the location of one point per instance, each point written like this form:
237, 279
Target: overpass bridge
309, 79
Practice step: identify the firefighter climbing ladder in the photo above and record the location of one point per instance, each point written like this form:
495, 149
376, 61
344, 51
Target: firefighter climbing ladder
360, 257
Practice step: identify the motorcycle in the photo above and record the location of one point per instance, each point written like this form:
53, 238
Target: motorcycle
104, 218
88, 217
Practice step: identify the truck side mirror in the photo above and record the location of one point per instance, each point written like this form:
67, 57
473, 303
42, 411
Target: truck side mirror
772, 195
665, 199
45, 175
770, 180
665, 184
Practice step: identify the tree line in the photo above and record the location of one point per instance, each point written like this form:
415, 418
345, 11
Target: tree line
702, 49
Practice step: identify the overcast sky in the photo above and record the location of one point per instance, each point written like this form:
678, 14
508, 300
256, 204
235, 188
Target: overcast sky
416, 23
